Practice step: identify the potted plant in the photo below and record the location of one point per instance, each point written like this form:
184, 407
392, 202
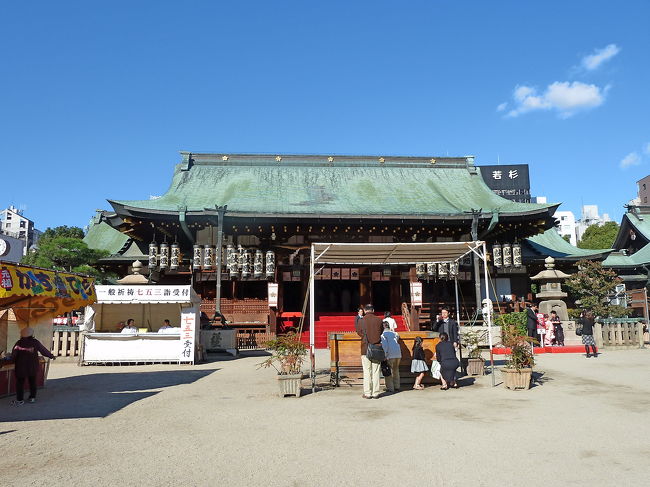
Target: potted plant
518, 372
287, 356
475, 363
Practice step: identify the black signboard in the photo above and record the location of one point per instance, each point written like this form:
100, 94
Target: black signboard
510, 181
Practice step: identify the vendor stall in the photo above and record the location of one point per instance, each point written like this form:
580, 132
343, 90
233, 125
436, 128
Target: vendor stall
106, 342
32, 296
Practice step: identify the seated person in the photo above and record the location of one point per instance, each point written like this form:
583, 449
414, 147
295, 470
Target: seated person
130, 328
167, 328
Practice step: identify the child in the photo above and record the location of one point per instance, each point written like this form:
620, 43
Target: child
550, 334
418, 365
557, 329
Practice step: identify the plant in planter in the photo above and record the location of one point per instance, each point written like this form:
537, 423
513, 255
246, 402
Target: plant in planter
475, 363
287, 355
518, 371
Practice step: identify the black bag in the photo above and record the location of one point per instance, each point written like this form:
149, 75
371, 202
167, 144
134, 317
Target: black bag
385, 369
375, 353
579, 328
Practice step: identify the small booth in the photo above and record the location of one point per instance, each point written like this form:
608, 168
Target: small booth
33, 296
149, 305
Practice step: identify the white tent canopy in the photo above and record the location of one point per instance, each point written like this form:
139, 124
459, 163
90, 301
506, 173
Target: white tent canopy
391, 254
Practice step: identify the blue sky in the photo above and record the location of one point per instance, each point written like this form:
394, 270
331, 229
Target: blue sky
97, 98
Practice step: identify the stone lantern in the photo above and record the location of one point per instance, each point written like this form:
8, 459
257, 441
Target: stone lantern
551, 294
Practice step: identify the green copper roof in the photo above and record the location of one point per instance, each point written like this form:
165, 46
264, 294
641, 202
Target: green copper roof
619, 260
551, 243
102, 236
337, 185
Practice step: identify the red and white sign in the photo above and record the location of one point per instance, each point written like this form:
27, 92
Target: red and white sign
416, 294
273, 294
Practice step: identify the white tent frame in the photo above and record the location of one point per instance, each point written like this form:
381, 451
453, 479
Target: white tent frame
395, 254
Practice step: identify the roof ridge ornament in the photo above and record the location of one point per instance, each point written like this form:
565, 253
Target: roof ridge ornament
278, 158
224, 158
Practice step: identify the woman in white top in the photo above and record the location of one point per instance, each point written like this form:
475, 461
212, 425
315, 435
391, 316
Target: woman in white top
390, 320
393, 351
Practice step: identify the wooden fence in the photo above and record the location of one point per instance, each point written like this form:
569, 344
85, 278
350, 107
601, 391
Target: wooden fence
253, 339
65, 342
619, 333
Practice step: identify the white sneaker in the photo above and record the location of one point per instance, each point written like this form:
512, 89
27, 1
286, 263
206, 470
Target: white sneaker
31, 400
17, 403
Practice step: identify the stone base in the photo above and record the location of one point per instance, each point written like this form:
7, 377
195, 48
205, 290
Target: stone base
554, 305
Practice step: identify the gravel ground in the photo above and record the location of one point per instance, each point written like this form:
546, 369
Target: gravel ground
584, 423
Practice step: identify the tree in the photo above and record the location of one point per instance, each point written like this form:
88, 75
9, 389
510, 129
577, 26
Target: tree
592, 285
63, 231
62, 248
567, 238
599, 236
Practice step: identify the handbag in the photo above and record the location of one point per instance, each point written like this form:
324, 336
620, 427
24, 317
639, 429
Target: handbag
579, 328
375, 353
435, 369
385, 369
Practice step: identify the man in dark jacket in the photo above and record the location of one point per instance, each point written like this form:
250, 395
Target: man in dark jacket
369, 329
531, 321
447, 325
24, 355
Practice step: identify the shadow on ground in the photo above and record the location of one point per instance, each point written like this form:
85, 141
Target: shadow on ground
97, 395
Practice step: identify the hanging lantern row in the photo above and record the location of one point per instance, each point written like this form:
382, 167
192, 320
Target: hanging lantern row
165, 256
442, 270
239, 262
506, 255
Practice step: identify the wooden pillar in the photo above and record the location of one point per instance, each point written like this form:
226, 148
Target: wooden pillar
395, 295
365, 285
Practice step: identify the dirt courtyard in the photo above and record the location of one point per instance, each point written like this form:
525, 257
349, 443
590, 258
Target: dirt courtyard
221, 423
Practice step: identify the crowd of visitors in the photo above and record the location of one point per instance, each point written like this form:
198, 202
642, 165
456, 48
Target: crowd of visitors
381, 352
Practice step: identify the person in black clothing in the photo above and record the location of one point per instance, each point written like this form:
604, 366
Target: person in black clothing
447, 325
446, 357
588, 333
531, 321
24, 355
418, 363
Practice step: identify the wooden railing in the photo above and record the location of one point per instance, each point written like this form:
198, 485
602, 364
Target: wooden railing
65, 342
253, 339
619, 333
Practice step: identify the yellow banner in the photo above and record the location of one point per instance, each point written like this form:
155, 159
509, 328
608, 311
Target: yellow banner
18, 280
35, 294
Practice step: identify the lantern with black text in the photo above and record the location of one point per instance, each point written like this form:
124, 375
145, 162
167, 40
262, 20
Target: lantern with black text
507, 255
258, 264
453, 270
175, 257
208, 258
270, 264
443, 272
197, 257
516, 254
232, 261
247, 264
431, 269
164, 255
153, 254
496, 256
421, 270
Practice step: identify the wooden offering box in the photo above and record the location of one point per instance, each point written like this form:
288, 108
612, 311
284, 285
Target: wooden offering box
345, 356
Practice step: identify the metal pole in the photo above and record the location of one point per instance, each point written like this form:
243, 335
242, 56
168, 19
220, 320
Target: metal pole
489, 313
477, 268
460, 350
312, 350
221, 210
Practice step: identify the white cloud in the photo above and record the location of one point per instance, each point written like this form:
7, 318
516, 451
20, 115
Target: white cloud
646, 149
632, 159
504, 105
564, 97
595, 60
